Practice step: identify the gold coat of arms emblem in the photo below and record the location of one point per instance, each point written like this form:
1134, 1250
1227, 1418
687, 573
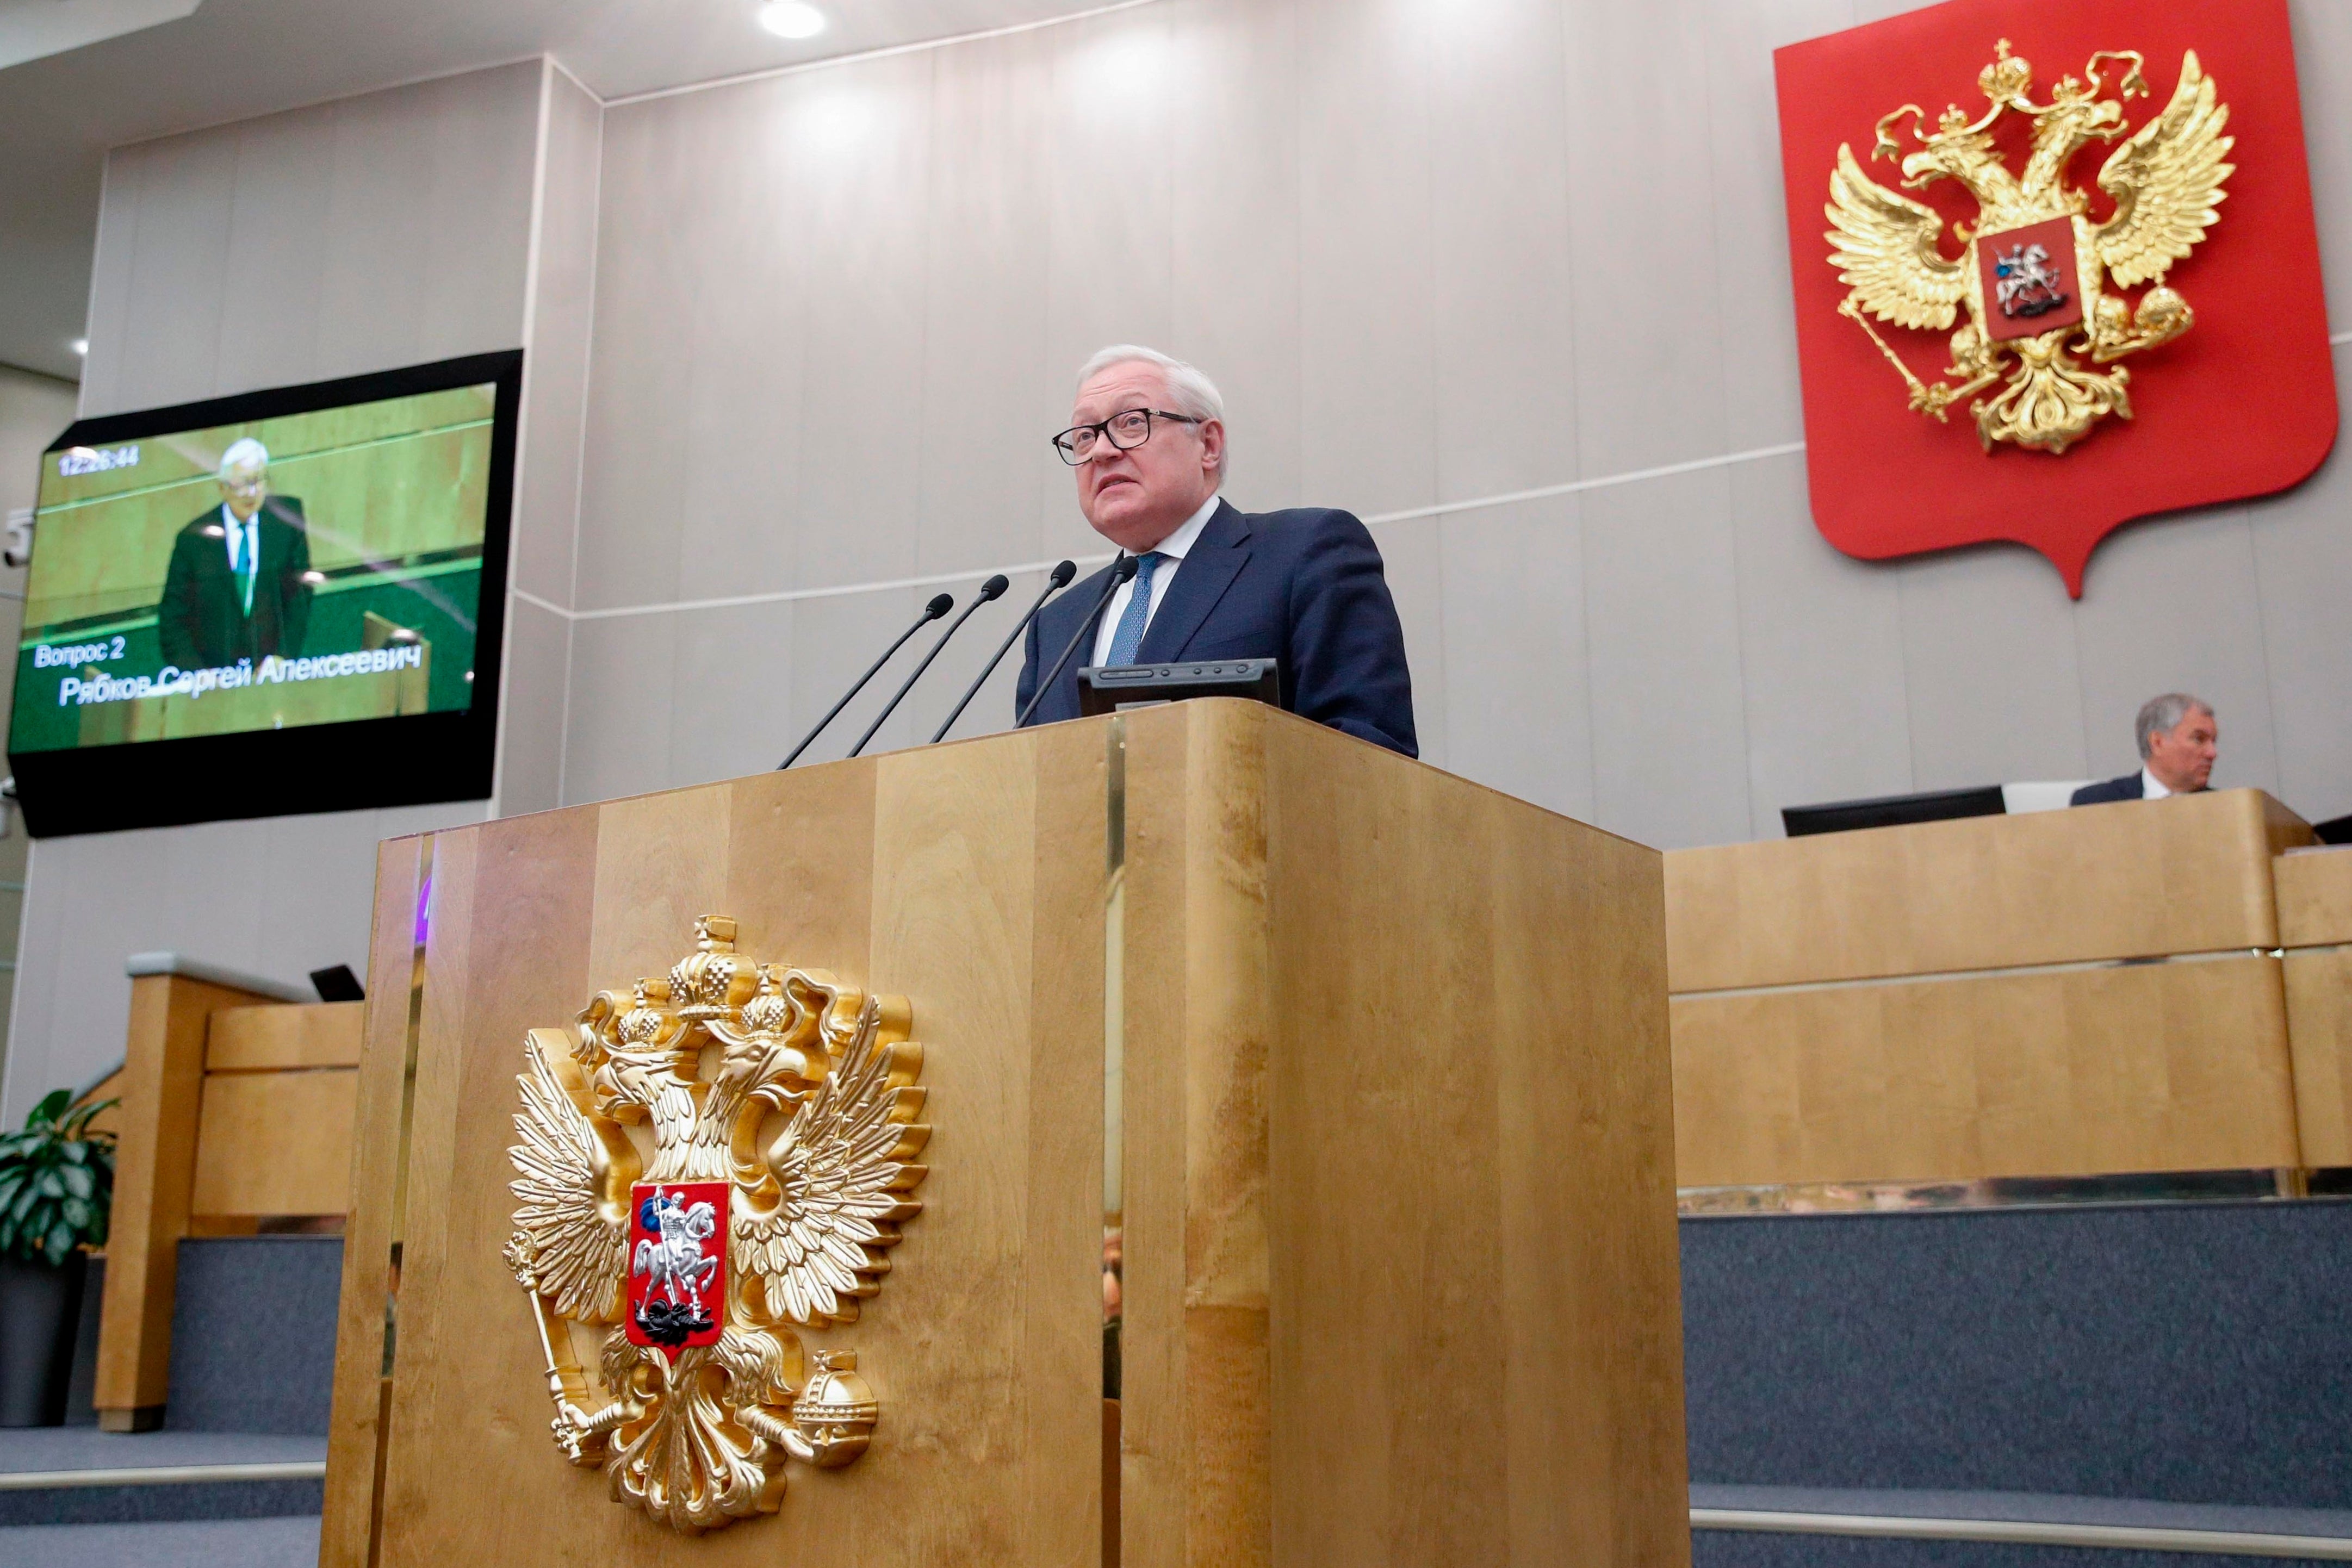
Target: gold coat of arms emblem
708, 1163
2036, 270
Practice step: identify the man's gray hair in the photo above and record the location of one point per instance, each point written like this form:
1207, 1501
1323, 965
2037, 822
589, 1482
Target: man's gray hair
2162, 716
1190, 392
243, 453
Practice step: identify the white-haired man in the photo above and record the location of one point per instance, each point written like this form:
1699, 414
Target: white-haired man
1146, 440
239, 583
2178, 740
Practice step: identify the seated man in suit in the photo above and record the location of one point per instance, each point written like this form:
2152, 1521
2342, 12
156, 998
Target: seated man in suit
2179, 739
239, 583
1148, 441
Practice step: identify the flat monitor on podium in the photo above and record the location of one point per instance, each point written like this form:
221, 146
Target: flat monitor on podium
1894, 811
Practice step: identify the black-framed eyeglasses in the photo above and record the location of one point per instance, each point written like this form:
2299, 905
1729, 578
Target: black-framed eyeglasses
1126, 430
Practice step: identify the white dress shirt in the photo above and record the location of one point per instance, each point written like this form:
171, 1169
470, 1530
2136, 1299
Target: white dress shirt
1175, 547
2150, 789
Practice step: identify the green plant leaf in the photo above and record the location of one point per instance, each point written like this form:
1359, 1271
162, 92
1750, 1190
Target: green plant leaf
57, 1180
77, 1124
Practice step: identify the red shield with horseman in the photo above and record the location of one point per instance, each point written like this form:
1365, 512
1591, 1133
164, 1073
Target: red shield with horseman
677, 1263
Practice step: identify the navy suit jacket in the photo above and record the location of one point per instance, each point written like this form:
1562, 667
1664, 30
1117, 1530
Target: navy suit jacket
2123, 788
1304, 586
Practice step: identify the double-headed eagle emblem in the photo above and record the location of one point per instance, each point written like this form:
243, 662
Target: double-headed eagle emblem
2036, 268
706, 1161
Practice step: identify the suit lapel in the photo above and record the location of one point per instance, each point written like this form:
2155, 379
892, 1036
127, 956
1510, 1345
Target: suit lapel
1049, 648
1217, 558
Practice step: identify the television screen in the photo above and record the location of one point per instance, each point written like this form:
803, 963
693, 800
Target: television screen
283, 602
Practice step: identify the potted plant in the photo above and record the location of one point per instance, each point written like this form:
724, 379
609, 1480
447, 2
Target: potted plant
57, 1186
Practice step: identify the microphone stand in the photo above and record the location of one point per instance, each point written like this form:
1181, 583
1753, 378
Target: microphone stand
994, 586
1120, 573
1054, 584
931, 611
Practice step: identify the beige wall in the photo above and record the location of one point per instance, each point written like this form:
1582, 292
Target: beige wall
1435, 256
34, 411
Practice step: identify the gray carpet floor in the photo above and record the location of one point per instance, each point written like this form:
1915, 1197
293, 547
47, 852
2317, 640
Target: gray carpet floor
194, 1543
86, 1449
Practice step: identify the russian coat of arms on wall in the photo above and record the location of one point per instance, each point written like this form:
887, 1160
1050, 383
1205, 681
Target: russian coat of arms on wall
2037, 293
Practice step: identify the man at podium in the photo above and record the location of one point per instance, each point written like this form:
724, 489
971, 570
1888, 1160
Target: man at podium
238, 586
1147, 441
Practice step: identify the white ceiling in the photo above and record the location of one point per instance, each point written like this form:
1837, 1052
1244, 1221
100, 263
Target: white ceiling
30, 30
233, 59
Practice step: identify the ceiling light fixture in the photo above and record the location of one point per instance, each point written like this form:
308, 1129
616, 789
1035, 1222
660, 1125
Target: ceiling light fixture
79, 346
791, 18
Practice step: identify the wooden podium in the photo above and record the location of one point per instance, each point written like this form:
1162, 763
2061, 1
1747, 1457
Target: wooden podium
1389, 1139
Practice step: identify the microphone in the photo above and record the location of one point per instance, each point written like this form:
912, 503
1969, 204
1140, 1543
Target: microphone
1054, 584
1122, 569
931, 611
993, 588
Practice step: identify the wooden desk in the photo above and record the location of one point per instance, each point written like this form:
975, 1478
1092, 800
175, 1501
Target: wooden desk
236, 1108
2315, 913
1391, 1124
2065, 993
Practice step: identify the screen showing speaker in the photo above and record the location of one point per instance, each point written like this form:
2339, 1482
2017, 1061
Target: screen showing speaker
282, 601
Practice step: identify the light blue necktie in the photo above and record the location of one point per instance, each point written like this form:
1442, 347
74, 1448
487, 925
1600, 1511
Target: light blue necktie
1128, 638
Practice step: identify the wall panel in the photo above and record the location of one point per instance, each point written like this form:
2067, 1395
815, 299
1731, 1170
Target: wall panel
1367, 314
1822, 657
1516, 687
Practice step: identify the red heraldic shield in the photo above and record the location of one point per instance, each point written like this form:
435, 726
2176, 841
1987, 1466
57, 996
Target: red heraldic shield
2244, 404
677, 1263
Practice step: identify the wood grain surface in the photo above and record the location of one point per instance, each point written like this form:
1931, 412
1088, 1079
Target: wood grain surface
940, 875
275, 1144
2315, 897
307, 1034
1476, 1342
2315, 900
163, 1089
2140, 878
2319, 1028
1401, 1250
2126, 1067
356, 1415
